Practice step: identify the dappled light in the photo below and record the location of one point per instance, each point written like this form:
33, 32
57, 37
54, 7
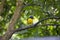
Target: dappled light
30, 19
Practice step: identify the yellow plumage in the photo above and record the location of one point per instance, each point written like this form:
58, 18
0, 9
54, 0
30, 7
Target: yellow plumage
30, 21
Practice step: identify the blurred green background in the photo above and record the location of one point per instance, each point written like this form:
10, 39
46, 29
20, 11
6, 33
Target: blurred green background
52, 6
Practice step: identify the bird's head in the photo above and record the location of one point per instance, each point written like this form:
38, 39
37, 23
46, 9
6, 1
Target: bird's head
31, 17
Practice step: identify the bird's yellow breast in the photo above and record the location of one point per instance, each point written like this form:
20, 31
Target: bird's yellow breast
30, 21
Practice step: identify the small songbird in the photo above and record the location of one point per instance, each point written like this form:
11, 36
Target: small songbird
30, 20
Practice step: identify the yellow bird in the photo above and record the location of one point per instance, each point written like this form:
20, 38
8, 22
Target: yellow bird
30, 20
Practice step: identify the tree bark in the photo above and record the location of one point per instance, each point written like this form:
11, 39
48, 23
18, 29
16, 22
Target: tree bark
2, 6
16, 15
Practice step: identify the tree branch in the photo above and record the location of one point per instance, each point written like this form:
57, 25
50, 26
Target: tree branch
15, 17
34, 25
2, 6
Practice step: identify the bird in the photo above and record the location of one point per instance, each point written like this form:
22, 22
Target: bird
30, 20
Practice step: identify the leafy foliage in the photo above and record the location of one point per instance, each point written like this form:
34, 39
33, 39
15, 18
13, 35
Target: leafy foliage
52, 6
